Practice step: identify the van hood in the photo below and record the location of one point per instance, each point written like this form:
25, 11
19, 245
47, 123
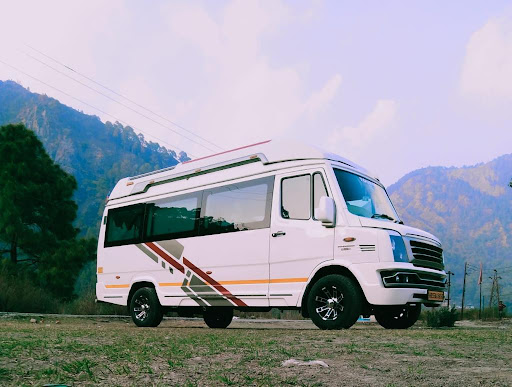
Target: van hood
400, 228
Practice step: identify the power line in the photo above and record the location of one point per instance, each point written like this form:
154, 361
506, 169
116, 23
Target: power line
91, 106
126, 98
116, 101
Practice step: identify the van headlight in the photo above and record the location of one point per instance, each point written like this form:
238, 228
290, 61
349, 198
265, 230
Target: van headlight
398, 247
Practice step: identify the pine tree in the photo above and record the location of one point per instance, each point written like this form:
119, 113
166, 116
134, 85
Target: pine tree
36, 205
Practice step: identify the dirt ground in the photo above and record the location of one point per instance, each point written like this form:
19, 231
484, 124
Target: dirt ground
92, 351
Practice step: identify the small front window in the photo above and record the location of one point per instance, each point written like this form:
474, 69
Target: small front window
296, 197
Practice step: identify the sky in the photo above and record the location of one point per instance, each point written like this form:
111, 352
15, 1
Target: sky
394, 86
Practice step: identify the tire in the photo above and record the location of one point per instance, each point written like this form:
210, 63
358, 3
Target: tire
335, 302
145, 308
218, 317
398, 317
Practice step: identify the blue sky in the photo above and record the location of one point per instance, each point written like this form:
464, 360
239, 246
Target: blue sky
395, 85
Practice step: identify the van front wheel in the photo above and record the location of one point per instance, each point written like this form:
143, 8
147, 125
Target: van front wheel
398, 317
334, 302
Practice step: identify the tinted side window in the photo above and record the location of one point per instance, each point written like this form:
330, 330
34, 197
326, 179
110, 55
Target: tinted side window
296, 197
237, 207
172, 218
124, 225
319, 190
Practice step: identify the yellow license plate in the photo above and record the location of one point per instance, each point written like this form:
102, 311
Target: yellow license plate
433, 295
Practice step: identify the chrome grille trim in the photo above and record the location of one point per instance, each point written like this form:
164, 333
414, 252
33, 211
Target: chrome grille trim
422, 253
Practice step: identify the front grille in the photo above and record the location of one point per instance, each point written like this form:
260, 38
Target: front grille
413, 279
427, 255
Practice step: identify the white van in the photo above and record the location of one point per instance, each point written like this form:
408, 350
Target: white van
270, 225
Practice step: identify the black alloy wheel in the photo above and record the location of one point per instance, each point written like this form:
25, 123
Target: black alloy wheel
145, 308
335, 302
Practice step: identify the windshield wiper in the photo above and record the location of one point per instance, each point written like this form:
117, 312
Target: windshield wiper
382, 216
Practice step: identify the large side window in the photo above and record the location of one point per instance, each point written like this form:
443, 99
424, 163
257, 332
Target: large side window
124, 225
296, 197
237, 207
172, 218
319, 190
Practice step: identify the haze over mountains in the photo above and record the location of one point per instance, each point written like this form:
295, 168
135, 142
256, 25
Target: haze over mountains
468, 208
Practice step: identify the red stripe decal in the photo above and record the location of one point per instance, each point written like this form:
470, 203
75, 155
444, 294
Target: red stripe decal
221, 153
165, 256
210, 280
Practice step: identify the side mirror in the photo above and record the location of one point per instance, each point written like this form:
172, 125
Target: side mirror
326, 211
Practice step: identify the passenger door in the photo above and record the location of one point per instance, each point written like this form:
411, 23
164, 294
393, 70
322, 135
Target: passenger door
298, 242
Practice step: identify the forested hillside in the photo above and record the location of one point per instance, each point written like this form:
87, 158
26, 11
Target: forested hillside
470, 210
96, 153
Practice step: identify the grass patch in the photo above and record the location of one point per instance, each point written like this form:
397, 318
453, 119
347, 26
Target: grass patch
95, 351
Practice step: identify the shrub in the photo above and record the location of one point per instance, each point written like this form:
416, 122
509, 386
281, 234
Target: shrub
86, 305
441, 317
19, 294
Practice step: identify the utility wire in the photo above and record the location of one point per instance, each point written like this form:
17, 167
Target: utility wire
116, 101
91, 106
126, 98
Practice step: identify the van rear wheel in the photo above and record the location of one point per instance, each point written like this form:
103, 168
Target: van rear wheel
218, 317
145, 308
334, 302
398, 317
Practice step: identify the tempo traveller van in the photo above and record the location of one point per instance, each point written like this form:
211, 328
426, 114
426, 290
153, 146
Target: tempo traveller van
271, 225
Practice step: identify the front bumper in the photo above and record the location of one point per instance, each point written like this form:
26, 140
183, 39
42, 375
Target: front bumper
379, 291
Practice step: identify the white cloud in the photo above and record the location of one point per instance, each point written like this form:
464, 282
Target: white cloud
319, 100
376, 124
248, 98
211, 68
487, 66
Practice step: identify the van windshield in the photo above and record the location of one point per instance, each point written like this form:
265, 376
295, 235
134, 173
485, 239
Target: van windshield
364, 197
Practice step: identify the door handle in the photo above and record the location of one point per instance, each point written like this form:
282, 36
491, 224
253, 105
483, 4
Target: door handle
279, 233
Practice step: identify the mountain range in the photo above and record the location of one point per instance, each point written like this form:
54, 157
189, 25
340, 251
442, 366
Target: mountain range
468, 208
98, 154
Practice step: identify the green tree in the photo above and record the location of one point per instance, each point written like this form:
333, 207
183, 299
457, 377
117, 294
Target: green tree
59, 269
36, 205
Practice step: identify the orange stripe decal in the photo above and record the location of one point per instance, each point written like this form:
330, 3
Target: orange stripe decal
287, 280
240, 282
263, 281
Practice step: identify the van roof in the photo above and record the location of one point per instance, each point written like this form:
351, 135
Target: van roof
266, 152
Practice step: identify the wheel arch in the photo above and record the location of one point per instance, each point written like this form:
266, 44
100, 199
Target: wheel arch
136, 286
322, 272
